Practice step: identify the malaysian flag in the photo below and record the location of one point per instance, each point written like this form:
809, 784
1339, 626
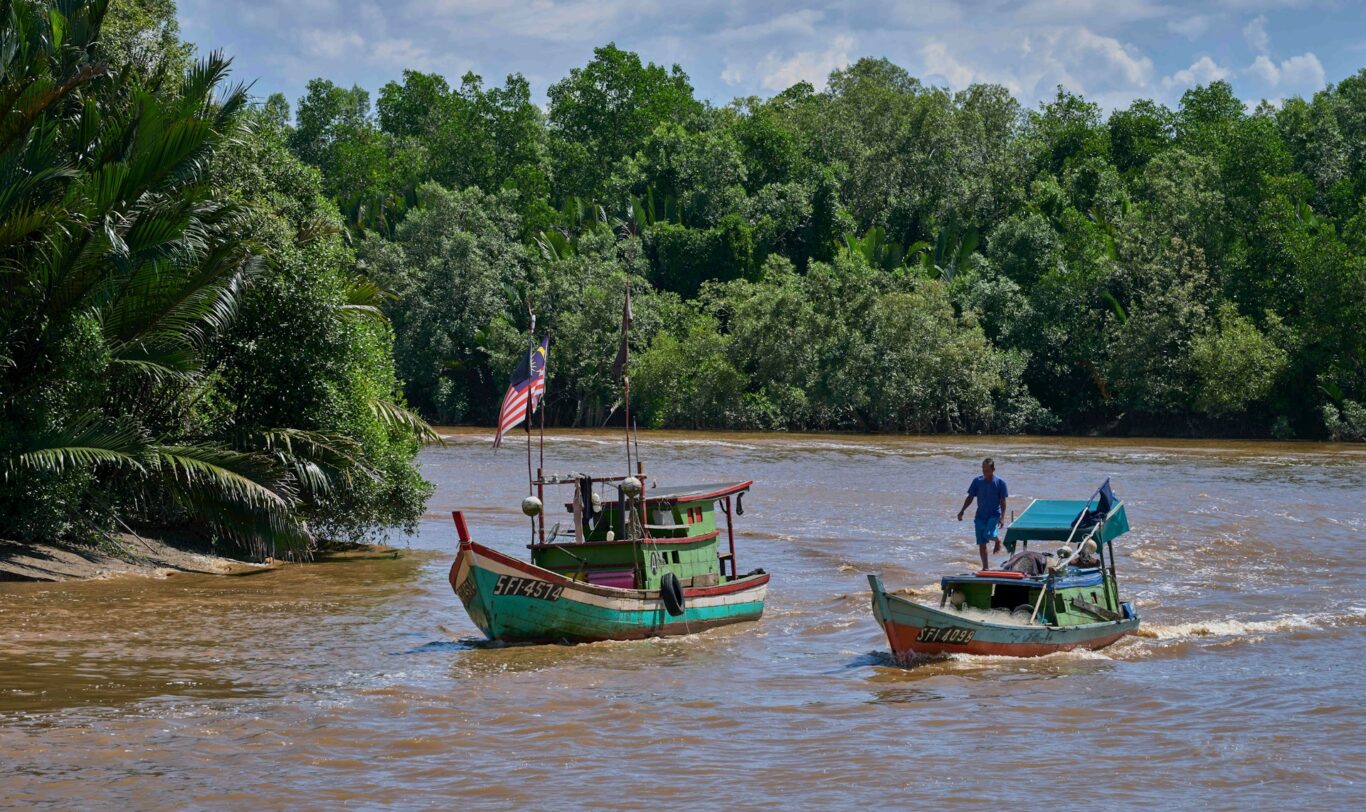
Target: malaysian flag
525, 392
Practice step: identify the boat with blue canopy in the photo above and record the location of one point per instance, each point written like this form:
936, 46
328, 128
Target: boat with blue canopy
1037, 602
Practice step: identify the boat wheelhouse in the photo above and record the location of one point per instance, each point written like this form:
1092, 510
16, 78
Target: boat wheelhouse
1055, 601
679, 535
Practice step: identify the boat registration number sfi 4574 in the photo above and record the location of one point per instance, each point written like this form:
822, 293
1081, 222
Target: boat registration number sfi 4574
953, 635
527, 588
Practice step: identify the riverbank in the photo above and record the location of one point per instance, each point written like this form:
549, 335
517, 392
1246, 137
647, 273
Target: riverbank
613, 435
139, 557
135, 557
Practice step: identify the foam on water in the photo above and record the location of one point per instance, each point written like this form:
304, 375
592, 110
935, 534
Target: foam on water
1239, 628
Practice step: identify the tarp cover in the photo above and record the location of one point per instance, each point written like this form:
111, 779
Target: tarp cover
1052, 520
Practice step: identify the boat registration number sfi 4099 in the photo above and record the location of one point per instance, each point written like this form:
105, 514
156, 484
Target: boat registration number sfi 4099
527, 588
953, 635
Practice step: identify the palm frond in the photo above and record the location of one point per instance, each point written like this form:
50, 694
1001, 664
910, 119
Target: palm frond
363, 299
241, 477
90, 441
398, 418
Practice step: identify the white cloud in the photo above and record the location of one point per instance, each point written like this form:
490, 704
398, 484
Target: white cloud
1298, 74
329, 43
1114, 55
1255, 34
568, 21
809, 66
402, 54
793, 23
1201, 72
1089, 12
923, 14
1264, 70
1303, 71
1191, 28
938, 60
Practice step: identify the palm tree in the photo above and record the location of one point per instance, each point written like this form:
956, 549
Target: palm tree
117, 266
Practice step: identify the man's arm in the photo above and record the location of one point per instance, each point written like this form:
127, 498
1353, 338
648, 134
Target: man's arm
966, 502
1005, 494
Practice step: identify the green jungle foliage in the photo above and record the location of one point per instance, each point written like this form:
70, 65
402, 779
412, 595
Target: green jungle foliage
881, 255
216, 313
186, 346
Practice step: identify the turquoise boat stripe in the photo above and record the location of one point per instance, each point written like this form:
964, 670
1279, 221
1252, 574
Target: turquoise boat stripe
517, 617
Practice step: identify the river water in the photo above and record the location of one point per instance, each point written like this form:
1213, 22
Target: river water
359, 683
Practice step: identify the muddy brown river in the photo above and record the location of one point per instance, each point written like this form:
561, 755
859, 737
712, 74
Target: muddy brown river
360, 683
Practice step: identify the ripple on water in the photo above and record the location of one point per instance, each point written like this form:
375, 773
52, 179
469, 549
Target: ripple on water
365, 685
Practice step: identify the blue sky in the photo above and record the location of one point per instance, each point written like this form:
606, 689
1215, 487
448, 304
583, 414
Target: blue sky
1110, 51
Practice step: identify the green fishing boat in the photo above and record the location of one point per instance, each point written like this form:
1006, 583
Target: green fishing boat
635, 561
635, 564
1038, 603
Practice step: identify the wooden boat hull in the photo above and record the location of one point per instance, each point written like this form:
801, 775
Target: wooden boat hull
512, 601
914, 629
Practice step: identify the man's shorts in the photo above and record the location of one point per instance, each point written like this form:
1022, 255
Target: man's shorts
986, 528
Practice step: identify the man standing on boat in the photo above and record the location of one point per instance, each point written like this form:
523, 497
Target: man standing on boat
990, 492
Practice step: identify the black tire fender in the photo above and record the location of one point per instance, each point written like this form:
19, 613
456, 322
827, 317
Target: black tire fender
671, 592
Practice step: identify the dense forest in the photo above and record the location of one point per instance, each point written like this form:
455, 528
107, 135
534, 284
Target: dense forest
227, 315
877, 256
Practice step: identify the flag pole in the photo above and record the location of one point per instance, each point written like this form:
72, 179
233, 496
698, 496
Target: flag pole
540, 463
640, 466
626, 368
531, 372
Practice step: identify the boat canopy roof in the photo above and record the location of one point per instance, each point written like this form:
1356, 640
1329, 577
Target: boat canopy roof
697, 493
1053, 520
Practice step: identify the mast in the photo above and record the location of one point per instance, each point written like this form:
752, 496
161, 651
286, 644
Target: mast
531, 371
626, 364
531, 386
540, 462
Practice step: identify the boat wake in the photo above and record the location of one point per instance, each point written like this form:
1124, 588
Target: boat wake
1057, 656
962, 661
1205, 629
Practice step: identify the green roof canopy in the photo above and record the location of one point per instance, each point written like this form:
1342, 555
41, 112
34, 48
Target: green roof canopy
1052, 520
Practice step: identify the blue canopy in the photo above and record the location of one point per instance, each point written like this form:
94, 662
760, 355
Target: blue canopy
1053, 520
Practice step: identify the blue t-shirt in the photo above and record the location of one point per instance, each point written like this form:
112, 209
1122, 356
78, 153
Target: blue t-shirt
989, 496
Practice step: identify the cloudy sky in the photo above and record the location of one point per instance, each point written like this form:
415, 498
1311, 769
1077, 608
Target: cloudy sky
1110, 50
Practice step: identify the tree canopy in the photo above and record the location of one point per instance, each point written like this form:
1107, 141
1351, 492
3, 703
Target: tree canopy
950, 261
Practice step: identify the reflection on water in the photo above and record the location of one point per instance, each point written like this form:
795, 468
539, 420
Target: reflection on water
361, 683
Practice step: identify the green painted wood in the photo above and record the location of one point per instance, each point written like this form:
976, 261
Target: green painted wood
1056, 610
525, 618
